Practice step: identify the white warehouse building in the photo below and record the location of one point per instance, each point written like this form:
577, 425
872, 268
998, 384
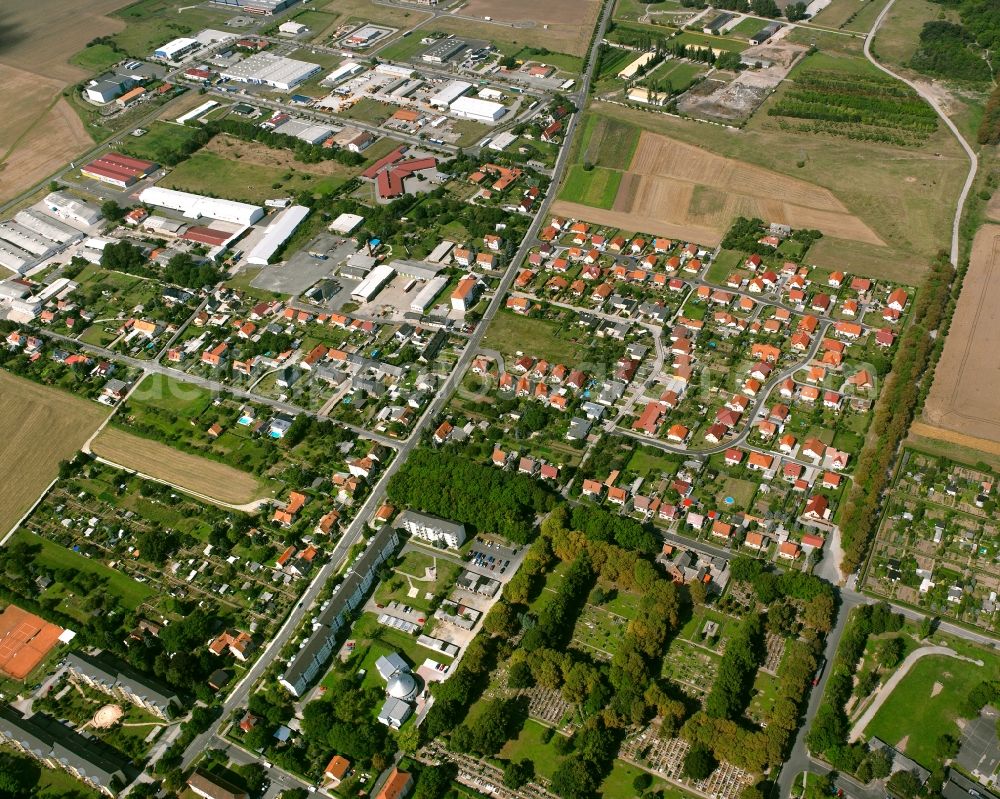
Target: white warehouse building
194, 206
76, 212
373, 283
271, 70
450, 93
425, 297
480, 110
281, 227
177, 49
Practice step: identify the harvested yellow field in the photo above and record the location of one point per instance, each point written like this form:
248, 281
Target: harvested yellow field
655, 225
672, 185
39, 131
563, 26
951, 437
204, 478
45, 426
964, 398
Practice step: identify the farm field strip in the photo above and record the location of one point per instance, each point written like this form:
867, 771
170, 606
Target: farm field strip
51, 427
201, 476
963, 398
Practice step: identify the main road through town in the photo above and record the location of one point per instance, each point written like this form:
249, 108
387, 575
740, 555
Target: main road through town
238, 696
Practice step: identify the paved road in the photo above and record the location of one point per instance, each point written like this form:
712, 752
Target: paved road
798, 759
749, 417
238, 696
214, 386
932, 101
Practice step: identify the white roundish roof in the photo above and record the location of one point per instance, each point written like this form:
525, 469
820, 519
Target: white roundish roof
401, 686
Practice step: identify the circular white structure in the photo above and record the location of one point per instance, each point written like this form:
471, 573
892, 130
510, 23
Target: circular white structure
402, 686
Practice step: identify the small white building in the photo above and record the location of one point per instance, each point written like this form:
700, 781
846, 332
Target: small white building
292, 28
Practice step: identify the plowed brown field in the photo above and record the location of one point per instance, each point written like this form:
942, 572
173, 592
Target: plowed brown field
687, 192
965, 398
38, 130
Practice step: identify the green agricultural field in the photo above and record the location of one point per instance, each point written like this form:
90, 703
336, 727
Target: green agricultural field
131, 593
164, 393
152, 22
161, 138
404, 49
607, 142
510, 333
924, 706
596, 187
748, 27
212, 174
651, 465
613, 61
724, 265
370, 111
681, 74
317, 22
567, 63
96, 58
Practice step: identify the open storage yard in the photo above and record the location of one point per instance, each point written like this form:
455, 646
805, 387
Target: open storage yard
59, 419
963, 405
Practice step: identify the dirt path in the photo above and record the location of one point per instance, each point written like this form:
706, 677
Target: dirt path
886, 690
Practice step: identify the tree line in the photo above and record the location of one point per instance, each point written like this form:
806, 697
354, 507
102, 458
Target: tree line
485, 498
893, 415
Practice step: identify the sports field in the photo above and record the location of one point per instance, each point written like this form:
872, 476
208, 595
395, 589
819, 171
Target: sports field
25, 640
201, 476
964, 397
45, 426
924, 706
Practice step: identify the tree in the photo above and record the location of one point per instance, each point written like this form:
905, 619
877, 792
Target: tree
574, 779
502, 620
765, 8
881, 764
905, 784
642, 781
111, 211
434, 783
946, 746
795, 11
699, 763
18, 775
516, 774
519, 675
